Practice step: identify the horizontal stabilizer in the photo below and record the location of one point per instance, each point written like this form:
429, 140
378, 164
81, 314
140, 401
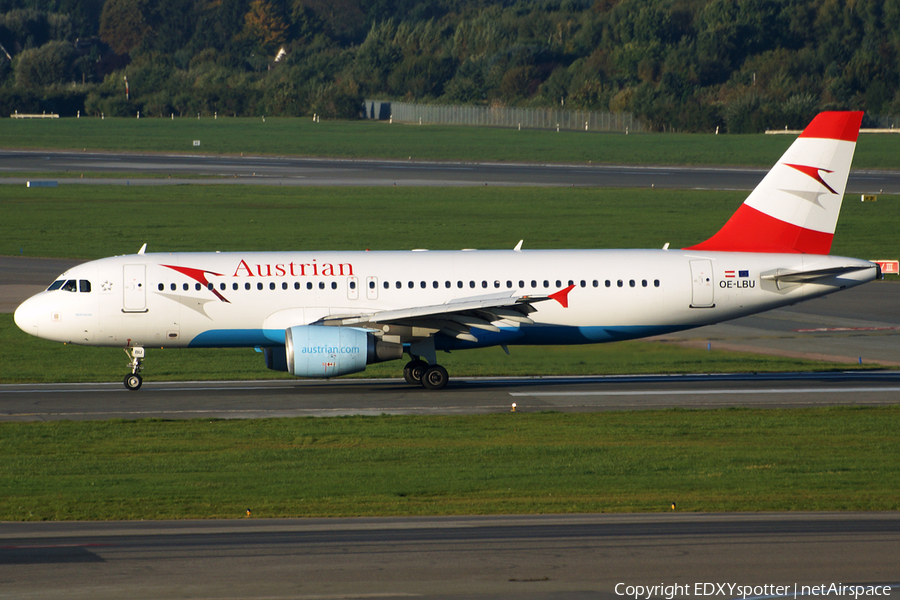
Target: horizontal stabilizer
785, 276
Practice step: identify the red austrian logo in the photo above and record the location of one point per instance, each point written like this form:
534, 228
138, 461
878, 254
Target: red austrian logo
813, 172
199, 275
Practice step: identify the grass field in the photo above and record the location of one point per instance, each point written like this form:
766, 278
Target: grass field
95, 221
718, 460
432, 142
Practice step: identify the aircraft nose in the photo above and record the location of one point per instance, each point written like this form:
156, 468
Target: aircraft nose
26, 317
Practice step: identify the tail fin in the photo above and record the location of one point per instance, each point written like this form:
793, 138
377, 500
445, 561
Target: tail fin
795, 208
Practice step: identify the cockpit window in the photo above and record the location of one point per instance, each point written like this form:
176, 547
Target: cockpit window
84, 285
70, 286
56, 285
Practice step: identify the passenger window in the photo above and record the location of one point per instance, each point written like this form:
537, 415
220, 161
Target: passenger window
259, 286
459, 284
411, 285
521, 284
272, 285
371, 285
399, 285
631, 283
197, 287
546, 283
509, 284
321, 285
583, 283
643, 283
471, 284
422, 285
174, 287
334, 285
435, 284
309, 285
533, 283
296, 285
558, 283
387, 285
246, 286
352, 285
496, 284
234, 286
620, 283
447, 284
656, 283
161, 287
209, 286
608, 283
56, 285
483, 283
186, 287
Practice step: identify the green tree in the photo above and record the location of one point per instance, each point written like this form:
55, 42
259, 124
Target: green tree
50, 64
123, 24
265, 26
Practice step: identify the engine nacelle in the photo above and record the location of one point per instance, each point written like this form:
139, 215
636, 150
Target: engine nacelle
320, 351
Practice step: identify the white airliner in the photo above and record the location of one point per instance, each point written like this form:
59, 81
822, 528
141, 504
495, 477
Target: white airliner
324, 314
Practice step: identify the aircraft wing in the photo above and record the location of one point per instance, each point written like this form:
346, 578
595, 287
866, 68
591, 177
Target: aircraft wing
455, 318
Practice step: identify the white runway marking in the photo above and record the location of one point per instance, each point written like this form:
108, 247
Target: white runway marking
712, 392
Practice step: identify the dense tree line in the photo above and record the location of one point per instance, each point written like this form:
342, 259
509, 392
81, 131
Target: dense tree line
742, 65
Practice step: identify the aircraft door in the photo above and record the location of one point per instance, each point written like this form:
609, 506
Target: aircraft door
371, 288
702, 284
134, 289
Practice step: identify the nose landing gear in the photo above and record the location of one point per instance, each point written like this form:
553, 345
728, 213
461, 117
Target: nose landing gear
134, 380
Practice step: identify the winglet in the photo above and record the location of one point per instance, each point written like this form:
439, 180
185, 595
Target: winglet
518, 247
562, 296
143, 249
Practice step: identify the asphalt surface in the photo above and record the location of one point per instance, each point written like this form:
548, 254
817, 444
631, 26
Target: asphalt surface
341, 397
515, 557
199, 169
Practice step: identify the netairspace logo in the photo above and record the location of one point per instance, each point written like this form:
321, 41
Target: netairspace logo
749, 592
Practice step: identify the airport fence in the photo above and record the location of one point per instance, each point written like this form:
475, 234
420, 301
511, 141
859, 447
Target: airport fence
500, 116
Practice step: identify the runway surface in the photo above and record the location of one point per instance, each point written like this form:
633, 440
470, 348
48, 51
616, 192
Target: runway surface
199, 169
340, 397
515, 557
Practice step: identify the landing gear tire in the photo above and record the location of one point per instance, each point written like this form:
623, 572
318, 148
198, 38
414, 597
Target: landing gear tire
133, 381
435, 377
414, 370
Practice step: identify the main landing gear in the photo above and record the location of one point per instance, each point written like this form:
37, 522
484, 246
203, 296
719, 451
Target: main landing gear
431, 377
134, 380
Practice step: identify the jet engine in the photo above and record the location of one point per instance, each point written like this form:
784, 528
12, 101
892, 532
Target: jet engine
320, 351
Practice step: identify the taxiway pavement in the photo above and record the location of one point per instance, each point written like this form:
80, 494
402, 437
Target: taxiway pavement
284, 170
555, 557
